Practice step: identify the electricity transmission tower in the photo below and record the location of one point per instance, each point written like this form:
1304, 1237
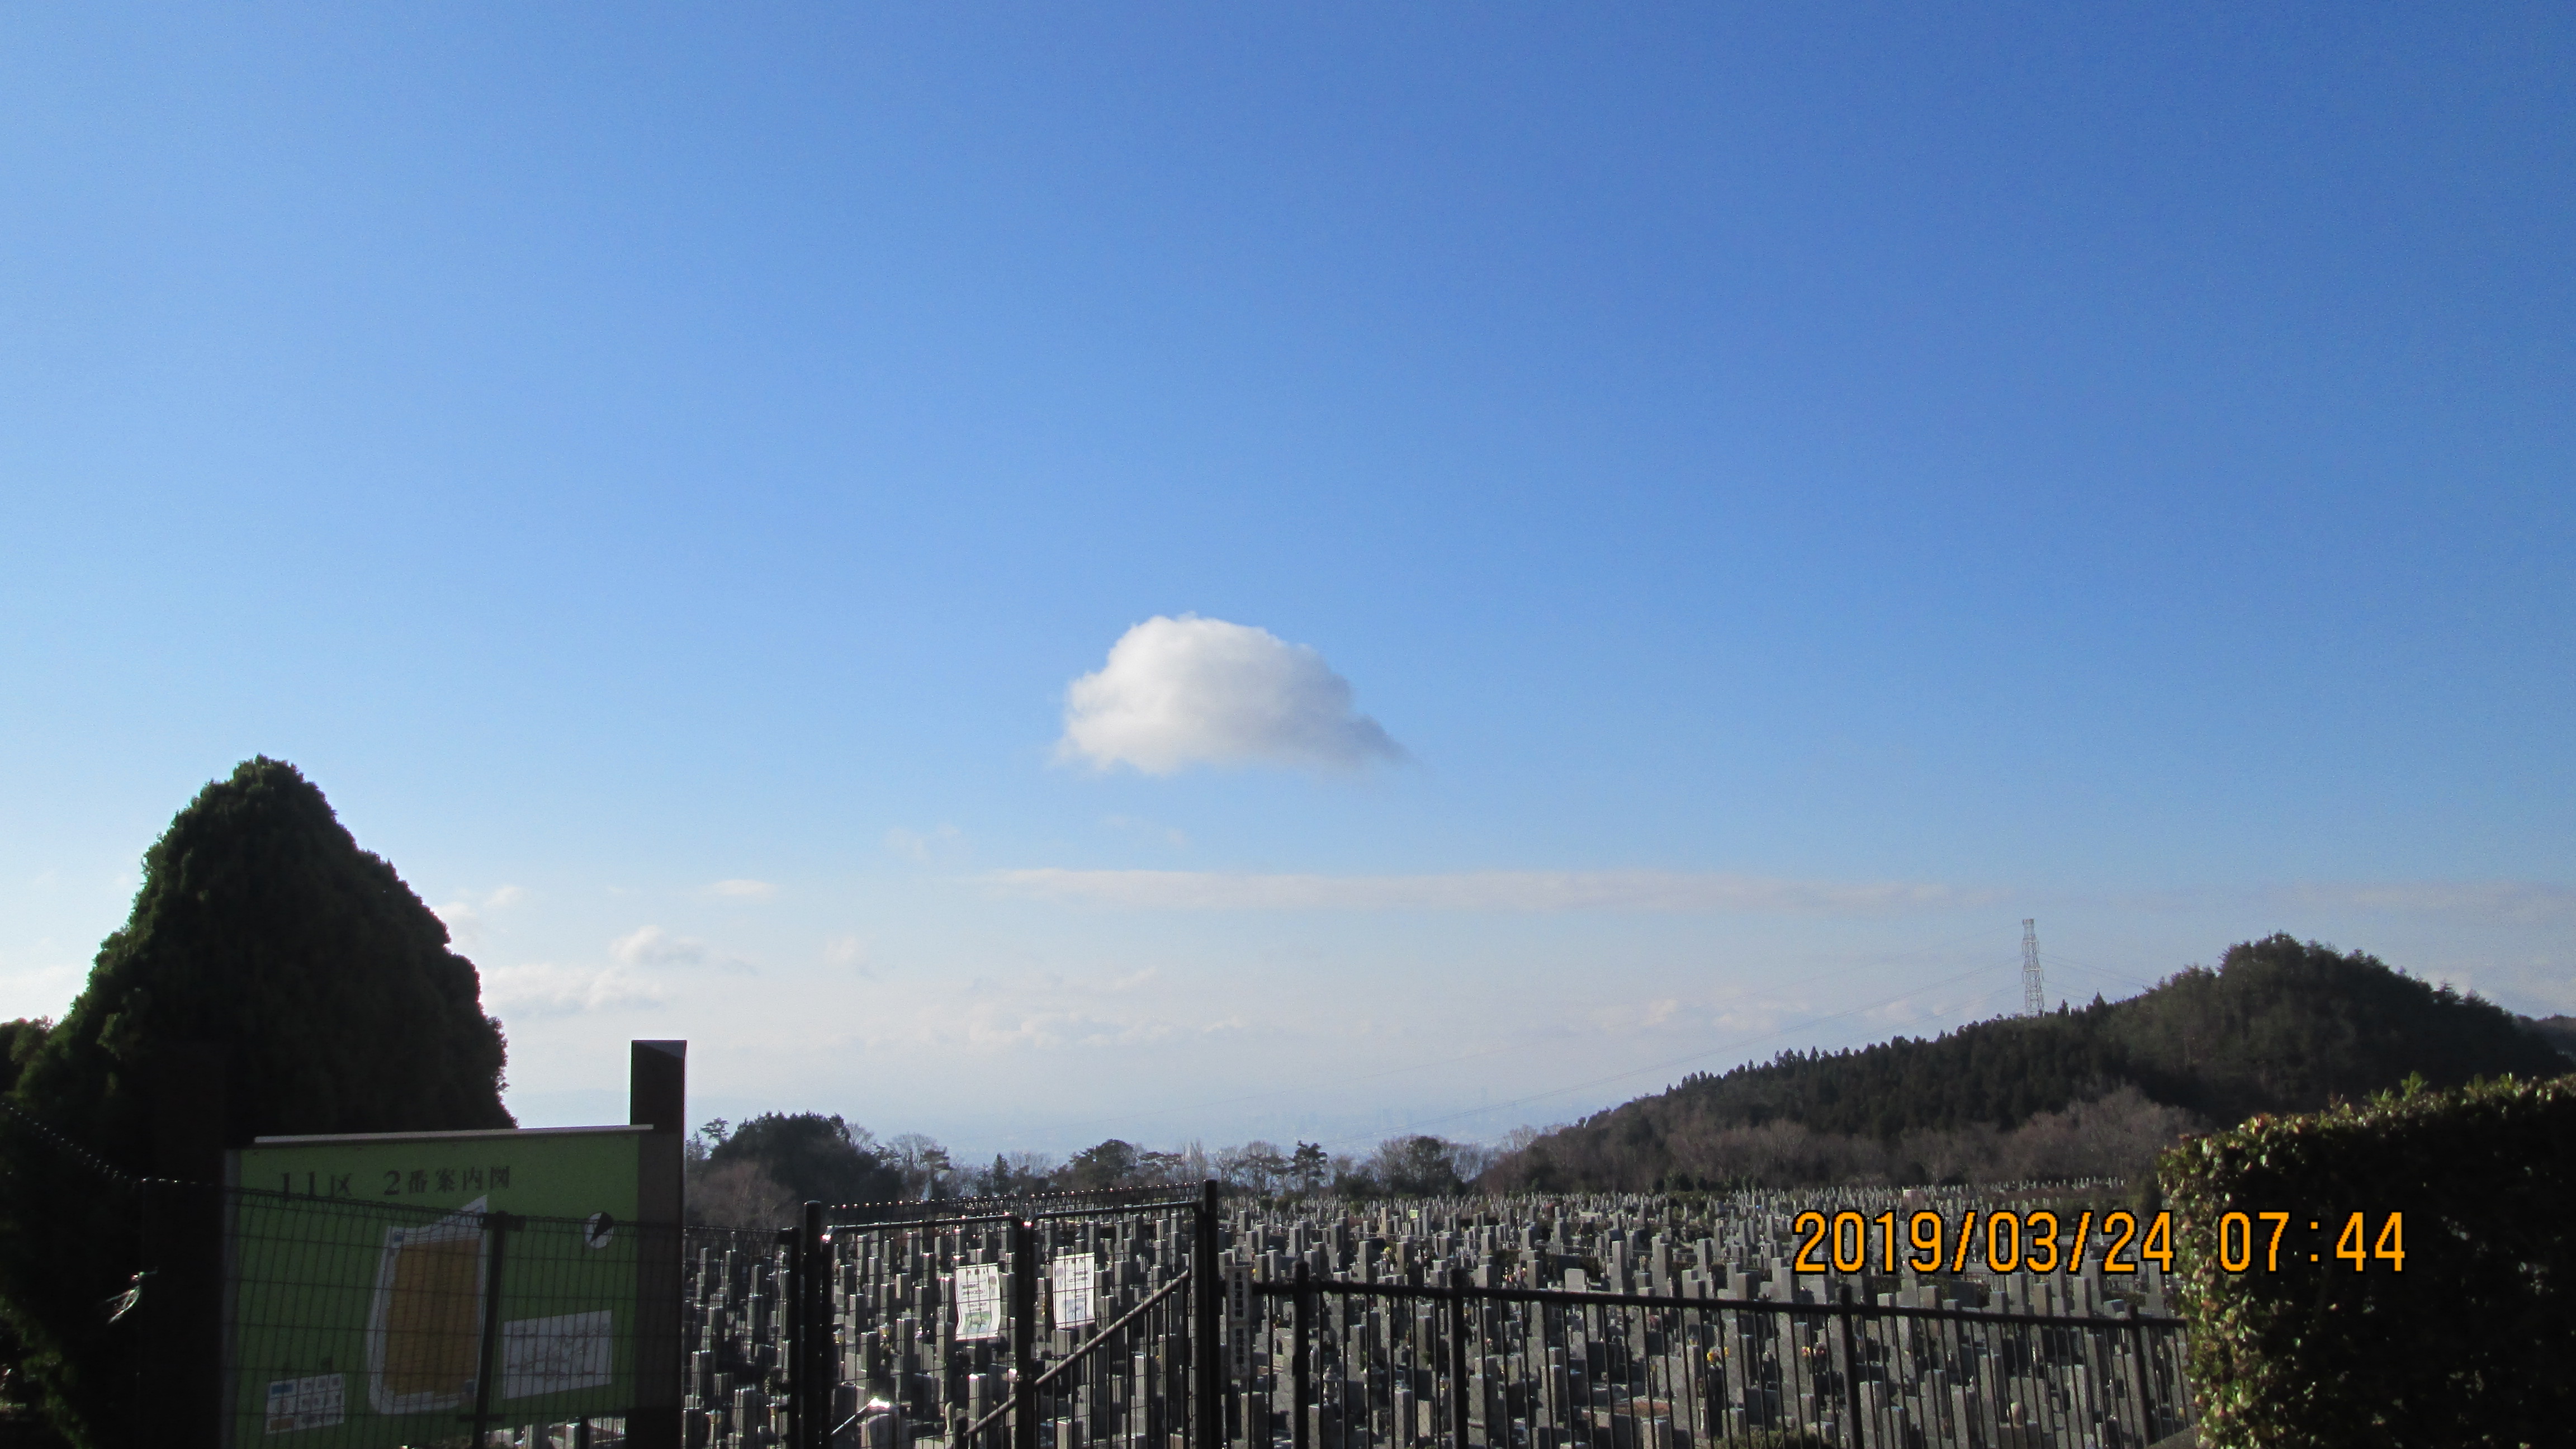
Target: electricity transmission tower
2034, 992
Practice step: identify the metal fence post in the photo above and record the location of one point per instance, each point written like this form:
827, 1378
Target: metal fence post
1207, 1298
1461, 1312
498, 1225
1851, 1374
1024, 1334
1301, 1370
2141, 1373
810, 1333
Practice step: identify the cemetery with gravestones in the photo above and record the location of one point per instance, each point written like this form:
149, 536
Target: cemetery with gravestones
1953, 1357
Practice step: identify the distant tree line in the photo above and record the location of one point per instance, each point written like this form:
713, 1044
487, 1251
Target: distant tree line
756, 1173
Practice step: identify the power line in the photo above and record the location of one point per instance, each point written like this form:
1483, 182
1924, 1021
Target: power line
2054, 959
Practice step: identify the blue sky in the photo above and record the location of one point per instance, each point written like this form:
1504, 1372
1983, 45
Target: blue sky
1795, 490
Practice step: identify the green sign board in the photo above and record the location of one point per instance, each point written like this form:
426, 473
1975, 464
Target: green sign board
376, 1281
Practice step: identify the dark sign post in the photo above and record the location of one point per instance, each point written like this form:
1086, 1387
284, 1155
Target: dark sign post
182, 1314
1207, 1300
496, 1235
1024, 1334
812, 1361
658, 1098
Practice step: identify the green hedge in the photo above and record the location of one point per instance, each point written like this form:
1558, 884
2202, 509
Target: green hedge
2471, 1342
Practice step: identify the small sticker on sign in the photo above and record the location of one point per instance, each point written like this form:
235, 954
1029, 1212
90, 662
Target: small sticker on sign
318, 1402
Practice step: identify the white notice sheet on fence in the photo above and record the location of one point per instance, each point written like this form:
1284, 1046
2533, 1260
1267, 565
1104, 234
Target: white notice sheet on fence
1073, 1274
979, 1300
550, 1355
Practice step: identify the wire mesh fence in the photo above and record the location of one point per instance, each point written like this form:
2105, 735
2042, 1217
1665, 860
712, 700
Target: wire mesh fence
356, 1323
1061, 1320
734, 1329
929, 1317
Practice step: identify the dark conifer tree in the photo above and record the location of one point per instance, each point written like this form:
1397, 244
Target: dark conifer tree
816, 1158
264, 936
1110, 1164
18, 1041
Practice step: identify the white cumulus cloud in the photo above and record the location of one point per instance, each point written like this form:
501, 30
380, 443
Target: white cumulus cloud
1193, 691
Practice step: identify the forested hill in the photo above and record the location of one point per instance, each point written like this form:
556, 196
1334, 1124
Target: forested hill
2560, 1032
2281, 1025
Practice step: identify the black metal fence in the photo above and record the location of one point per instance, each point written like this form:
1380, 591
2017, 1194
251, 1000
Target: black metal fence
734, 1316
1349, 1365
1092, 1325
1059, 1321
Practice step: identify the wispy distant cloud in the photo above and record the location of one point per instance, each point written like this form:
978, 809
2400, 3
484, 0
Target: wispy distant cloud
923, 844
653, 946
40, 990
2517, 903
468, 917
1169, 834
1193, 691
1004, 1026
848, 952
1122, 984
2521, 903
1493, 891
744, 890
543, 989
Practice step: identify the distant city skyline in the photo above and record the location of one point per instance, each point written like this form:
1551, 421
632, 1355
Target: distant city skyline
1300, 572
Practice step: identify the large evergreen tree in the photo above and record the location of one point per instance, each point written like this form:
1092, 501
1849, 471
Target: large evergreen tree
263, 936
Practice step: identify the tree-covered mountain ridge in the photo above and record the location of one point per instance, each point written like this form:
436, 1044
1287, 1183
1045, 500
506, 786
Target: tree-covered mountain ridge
2279, 1025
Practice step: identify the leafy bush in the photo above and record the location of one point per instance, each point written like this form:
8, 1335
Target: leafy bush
2465, 1344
